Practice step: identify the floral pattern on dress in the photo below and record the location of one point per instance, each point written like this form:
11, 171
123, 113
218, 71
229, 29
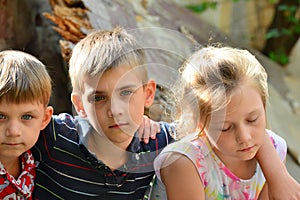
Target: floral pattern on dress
219, 182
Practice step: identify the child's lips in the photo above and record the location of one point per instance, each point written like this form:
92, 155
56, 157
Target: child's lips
12, 144
119, 125
247, 149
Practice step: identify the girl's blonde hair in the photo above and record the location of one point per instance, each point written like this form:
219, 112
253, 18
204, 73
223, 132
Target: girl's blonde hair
23, 78
102, 50
213, 73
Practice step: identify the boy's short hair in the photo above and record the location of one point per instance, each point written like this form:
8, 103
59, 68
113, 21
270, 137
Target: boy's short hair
23, 78
103, 50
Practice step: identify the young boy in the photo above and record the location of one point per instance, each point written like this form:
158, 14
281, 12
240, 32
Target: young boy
97, 155
25, 89
105, 159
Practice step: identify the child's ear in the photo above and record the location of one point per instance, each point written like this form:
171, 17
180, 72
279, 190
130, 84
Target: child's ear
47, 117
150, 93
77, 102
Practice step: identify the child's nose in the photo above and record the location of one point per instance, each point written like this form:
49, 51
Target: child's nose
243, 134
13, 129
115, 109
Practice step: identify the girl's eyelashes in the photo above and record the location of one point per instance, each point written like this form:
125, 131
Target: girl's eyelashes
227, 128
254, 119
250, 120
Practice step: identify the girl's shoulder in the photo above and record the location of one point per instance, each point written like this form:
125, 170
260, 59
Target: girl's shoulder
279, 143
191, 146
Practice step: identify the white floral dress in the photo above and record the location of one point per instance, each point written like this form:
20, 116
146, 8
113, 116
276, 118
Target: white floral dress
219, 182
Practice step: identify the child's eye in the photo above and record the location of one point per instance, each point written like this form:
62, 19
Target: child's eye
98, 98
126, 92
2, 116
252, 119
225, 129
27, 117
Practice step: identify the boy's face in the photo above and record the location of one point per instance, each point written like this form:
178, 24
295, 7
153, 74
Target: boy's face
20, 125
114, 104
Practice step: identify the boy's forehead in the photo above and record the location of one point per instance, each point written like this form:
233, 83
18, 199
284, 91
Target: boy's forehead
115, 77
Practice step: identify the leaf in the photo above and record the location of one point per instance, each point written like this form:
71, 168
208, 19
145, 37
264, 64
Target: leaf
199, 8
272, 34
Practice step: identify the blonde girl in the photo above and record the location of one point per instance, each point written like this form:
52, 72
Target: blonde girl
227, 91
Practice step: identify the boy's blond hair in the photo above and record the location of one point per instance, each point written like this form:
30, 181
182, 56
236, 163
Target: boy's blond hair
23, 78
103, 50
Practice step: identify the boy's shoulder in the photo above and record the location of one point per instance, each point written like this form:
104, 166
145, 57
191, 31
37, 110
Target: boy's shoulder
62, 125
60, 133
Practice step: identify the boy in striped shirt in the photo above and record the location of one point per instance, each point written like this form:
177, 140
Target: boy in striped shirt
98, 154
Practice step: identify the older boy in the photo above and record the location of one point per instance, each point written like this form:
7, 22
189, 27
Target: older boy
105, 159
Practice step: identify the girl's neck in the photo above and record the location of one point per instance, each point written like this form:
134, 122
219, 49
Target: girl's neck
243, 169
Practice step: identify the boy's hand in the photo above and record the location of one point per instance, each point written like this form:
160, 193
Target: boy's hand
148, 129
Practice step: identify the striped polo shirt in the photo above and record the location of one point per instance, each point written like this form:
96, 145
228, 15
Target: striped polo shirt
68, 170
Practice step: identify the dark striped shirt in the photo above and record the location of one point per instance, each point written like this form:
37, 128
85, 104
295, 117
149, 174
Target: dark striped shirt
67, 170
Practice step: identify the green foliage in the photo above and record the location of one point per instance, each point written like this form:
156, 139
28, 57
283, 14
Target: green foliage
290, 12
205, 5
272, 1
272, 34
199, 8
279, 57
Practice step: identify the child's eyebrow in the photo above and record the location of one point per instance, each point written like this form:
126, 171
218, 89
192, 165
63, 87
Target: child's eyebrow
124, 87
255, 111
31, 111
129, 86
97, 92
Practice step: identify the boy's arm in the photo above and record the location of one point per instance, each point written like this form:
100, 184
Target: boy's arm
281, 184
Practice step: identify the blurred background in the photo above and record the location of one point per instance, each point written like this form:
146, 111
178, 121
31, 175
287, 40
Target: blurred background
270, 29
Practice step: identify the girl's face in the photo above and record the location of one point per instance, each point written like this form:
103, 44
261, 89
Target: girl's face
239, 134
